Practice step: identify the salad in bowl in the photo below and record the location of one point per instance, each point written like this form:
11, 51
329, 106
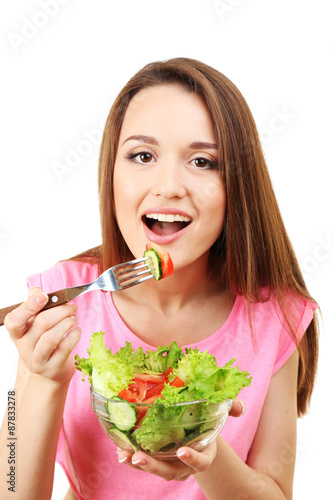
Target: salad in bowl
159, 400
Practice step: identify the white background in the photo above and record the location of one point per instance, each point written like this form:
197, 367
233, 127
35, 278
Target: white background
61, 71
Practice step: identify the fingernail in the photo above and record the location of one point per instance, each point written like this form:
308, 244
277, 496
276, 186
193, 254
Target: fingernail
140, 462
41, 298
243, 406
122, 460
183, 454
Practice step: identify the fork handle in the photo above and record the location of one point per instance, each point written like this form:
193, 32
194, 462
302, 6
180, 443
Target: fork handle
55, 299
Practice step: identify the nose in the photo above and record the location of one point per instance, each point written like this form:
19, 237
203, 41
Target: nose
169, 179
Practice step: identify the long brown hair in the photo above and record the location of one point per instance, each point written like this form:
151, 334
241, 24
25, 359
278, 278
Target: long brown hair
253, 253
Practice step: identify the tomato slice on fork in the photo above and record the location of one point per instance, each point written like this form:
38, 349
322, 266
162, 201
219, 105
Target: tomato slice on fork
167, 264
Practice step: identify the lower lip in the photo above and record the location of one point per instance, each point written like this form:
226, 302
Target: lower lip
163, 240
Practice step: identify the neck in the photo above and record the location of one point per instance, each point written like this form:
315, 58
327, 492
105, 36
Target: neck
186, 285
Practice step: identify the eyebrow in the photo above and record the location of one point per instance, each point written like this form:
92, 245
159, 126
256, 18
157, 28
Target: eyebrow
203, 145
142, 138
151, 140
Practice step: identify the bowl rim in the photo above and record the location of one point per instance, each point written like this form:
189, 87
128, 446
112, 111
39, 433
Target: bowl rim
227, 402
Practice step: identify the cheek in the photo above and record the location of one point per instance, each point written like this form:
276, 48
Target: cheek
210, 199
123, 190
128, 194
121, 196
128, 183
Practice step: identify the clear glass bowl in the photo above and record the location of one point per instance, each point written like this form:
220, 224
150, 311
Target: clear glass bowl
197, 424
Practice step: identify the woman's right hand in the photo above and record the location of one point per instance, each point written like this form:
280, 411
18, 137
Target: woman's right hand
40, 337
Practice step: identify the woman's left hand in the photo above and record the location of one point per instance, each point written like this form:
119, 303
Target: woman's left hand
188, 462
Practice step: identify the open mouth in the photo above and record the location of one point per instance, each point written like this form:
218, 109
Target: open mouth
166, 224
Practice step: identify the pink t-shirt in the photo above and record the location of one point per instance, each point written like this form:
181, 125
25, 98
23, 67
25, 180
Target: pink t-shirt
88, 457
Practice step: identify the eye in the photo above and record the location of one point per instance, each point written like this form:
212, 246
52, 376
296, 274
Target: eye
204, 163
144, 157
141, 157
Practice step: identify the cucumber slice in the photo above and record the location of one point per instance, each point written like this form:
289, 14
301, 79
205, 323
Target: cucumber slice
196, 437
209, 416
122, 414
191, 436
155, 264
122, 438
191, 417
168, 447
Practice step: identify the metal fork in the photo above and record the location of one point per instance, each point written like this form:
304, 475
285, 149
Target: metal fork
116, 278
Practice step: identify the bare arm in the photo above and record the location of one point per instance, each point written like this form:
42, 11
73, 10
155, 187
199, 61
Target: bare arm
269, 470
37, 425
44, 372
270, 466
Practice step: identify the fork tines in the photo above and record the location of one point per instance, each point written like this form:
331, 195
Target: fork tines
130, 266
122, 271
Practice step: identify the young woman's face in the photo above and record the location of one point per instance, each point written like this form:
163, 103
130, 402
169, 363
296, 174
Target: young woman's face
167, 188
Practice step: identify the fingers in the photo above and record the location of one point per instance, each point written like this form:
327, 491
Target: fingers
168, 470
47, 320
63, 350
44, 333
198, 461
238, 408
45, 339
65, 346
18, 321
60, 366
52, 337
190, 462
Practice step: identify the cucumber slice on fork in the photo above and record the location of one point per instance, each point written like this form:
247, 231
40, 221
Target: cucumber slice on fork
155, 264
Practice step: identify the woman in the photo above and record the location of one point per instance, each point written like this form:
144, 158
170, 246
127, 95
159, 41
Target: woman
181, 165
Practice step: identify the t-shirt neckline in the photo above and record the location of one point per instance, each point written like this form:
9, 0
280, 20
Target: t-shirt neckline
131, 337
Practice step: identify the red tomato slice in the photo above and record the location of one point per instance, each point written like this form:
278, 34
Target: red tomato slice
128, 395
141, 413
167, 264
153, 391
177, 382
135, 392
151, 379
152, 399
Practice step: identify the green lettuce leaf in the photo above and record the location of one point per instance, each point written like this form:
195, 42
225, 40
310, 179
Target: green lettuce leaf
193, 364
160, 360
220, 384
109, 374
134, 358
160, 427
84, 366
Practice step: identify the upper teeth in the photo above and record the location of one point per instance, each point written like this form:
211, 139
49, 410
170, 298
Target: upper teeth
169, 217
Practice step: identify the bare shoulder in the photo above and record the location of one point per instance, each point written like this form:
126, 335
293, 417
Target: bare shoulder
273, 450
